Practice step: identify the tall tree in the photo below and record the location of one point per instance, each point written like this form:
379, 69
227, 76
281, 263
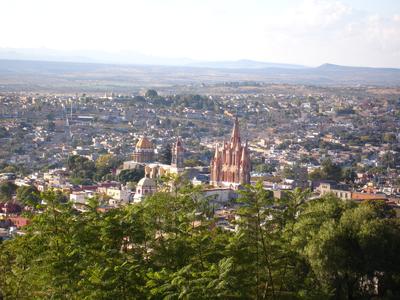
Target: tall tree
81, 167
165, 156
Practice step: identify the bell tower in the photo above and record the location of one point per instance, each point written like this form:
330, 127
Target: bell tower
178, 153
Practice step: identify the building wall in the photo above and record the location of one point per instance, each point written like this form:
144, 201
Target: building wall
325, 188
143, 155
219, 195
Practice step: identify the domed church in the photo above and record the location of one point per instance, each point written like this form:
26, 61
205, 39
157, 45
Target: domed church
144, 151
145, 187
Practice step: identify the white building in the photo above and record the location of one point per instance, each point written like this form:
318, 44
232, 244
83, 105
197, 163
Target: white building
145, 187
119, 195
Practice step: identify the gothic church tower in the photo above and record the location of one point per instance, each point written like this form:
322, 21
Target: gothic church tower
231, 165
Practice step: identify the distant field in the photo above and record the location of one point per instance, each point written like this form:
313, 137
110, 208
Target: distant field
65, 77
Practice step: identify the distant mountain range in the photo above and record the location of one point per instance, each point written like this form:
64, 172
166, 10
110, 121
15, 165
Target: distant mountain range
90, 56
57, 71
244, 64
130, 57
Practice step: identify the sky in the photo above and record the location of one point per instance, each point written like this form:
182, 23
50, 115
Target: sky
307, 32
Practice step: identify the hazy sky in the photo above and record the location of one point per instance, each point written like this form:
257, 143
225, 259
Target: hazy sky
309, 32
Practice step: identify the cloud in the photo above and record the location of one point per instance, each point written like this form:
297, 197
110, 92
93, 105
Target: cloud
376, 32
310, 15
321, 14
331, 31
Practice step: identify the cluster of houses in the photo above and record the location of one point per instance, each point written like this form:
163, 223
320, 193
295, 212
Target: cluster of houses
220, 183
285, 126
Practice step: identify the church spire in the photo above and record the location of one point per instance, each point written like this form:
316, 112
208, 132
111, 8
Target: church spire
245, 153
245, 166
235, 138
216, 154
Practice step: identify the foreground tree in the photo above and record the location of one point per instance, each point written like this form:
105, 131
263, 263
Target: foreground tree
170, 247
344, 245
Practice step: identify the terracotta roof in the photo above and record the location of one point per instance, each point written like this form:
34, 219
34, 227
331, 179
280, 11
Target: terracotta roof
368, 196
144, 143
19, 221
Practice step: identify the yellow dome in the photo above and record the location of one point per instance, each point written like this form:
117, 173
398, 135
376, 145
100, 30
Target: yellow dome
144, 143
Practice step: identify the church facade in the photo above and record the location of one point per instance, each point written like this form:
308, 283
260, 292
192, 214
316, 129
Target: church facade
155, 170
230, 166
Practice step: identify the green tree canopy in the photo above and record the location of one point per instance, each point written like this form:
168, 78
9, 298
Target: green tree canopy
151, 93
264, 168
4, 132
28, 195
81, 168
131, 175
328, 170
165, 155
7, 190
344, 244
171, 246
105, 164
